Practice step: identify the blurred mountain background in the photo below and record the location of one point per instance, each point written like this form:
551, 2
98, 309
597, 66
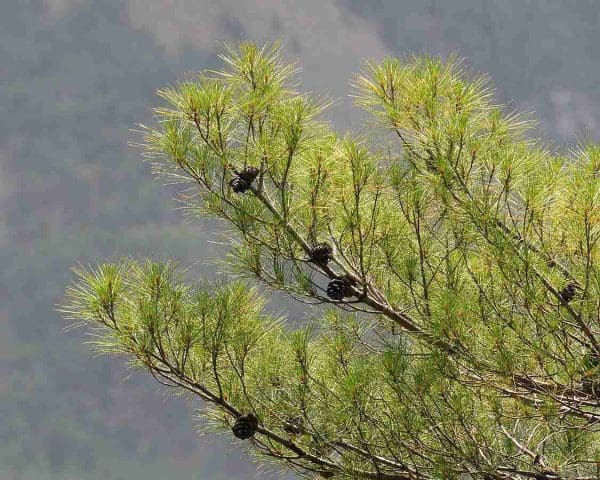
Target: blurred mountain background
75, 78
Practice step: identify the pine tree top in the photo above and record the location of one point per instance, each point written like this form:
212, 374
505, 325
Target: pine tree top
461, 282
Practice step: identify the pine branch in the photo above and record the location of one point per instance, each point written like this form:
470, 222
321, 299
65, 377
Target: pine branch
472, 359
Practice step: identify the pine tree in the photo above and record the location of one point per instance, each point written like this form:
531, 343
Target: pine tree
452, 256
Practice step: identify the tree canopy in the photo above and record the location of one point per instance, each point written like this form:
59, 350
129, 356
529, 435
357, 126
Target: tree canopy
454, 256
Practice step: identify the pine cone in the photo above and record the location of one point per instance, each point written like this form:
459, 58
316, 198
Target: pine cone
340, 288
293, 426
568, 293
238, 184
245, 426
321, 254
248, 174
336, 289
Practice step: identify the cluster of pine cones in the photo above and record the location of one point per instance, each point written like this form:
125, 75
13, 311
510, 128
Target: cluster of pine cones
339, 288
